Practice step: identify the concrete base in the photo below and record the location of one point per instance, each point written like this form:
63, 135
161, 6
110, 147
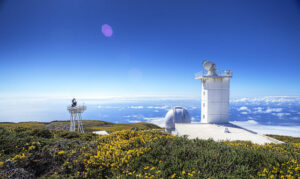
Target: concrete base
221, 132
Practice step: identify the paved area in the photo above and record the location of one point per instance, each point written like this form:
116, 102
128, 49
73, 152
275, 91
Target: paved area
221, 132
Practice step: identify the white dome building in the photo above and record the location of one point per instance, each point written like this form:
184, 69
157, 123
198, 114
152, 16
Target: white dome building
176, 115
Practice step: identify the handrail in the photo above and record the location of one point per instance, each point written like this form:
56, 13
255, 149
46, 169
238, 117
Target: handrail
77, 109
220, 73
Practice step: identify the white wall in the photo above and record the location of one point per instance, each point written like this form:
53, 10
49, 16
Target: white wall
215, 99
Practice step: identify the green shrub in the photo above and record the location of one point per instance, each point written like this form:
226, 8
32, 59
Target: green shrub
44, 133
68, 135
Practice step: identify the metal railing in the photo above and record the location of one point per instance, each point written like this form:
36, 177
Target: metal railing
220, 73
77, 109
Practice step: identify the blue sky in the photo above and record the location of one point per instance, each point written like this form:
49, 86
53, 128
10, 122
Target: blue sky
56, 47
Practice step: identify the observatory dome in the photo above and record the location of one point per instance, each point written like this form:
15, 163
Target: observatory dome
176, 115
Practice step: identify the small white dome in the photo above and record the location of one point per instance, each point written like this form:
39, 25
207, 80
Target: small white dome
176, 115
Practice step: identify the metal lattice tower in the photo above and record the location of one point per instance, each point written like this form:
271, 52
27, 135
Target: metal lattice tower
75, 112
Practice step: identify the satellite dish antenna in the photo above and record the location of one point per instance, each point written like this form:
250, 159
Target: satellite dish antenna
210, 67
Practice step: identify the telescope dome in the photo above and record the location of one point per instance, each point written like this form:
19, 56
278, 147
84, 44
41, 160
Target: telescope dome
176, 115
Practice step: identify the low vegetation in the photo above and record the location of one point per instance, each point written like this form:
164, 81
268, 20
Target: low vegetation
34, 125
89, 125
51, 153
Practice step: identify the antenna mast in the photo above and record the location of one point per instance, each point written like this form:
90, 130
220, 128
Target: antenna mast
75, 112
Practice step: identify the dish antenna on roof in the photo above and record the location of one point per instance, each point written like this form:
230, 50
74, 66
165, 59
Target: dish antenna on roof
210, 67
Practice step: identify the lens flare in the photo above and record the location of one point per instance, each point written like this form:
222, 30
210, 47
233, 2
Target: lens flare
107, 30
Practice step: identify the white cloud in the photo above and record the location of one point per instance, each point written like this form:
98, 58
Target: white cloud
282, 99
134, 121
160, 121
251, 122
281, 115
108, 107
240, 100
277, 100
258, 110
136, 107
159, 107
244, 108
134, 116
269, 129
33, 109
270, 110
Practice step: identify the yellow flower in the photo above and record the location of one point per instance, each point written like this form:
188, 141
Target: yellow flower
173, 176
183, 172
31, 147
152, 168
138, 175
61, 152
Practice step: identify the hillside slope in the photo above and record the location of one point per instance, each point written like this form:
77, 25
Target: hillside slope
43, 153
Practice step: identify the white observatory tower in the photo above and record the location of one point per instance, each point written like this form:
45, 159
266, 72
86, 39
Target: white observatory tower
215, 112
215, 94
75, 112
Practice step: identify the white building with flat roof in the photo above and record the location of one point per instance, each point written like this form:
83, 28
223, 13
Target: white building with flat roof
215, 111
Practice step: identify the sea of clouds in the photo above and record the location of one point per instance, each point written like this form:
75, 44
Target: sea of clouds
266, 115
